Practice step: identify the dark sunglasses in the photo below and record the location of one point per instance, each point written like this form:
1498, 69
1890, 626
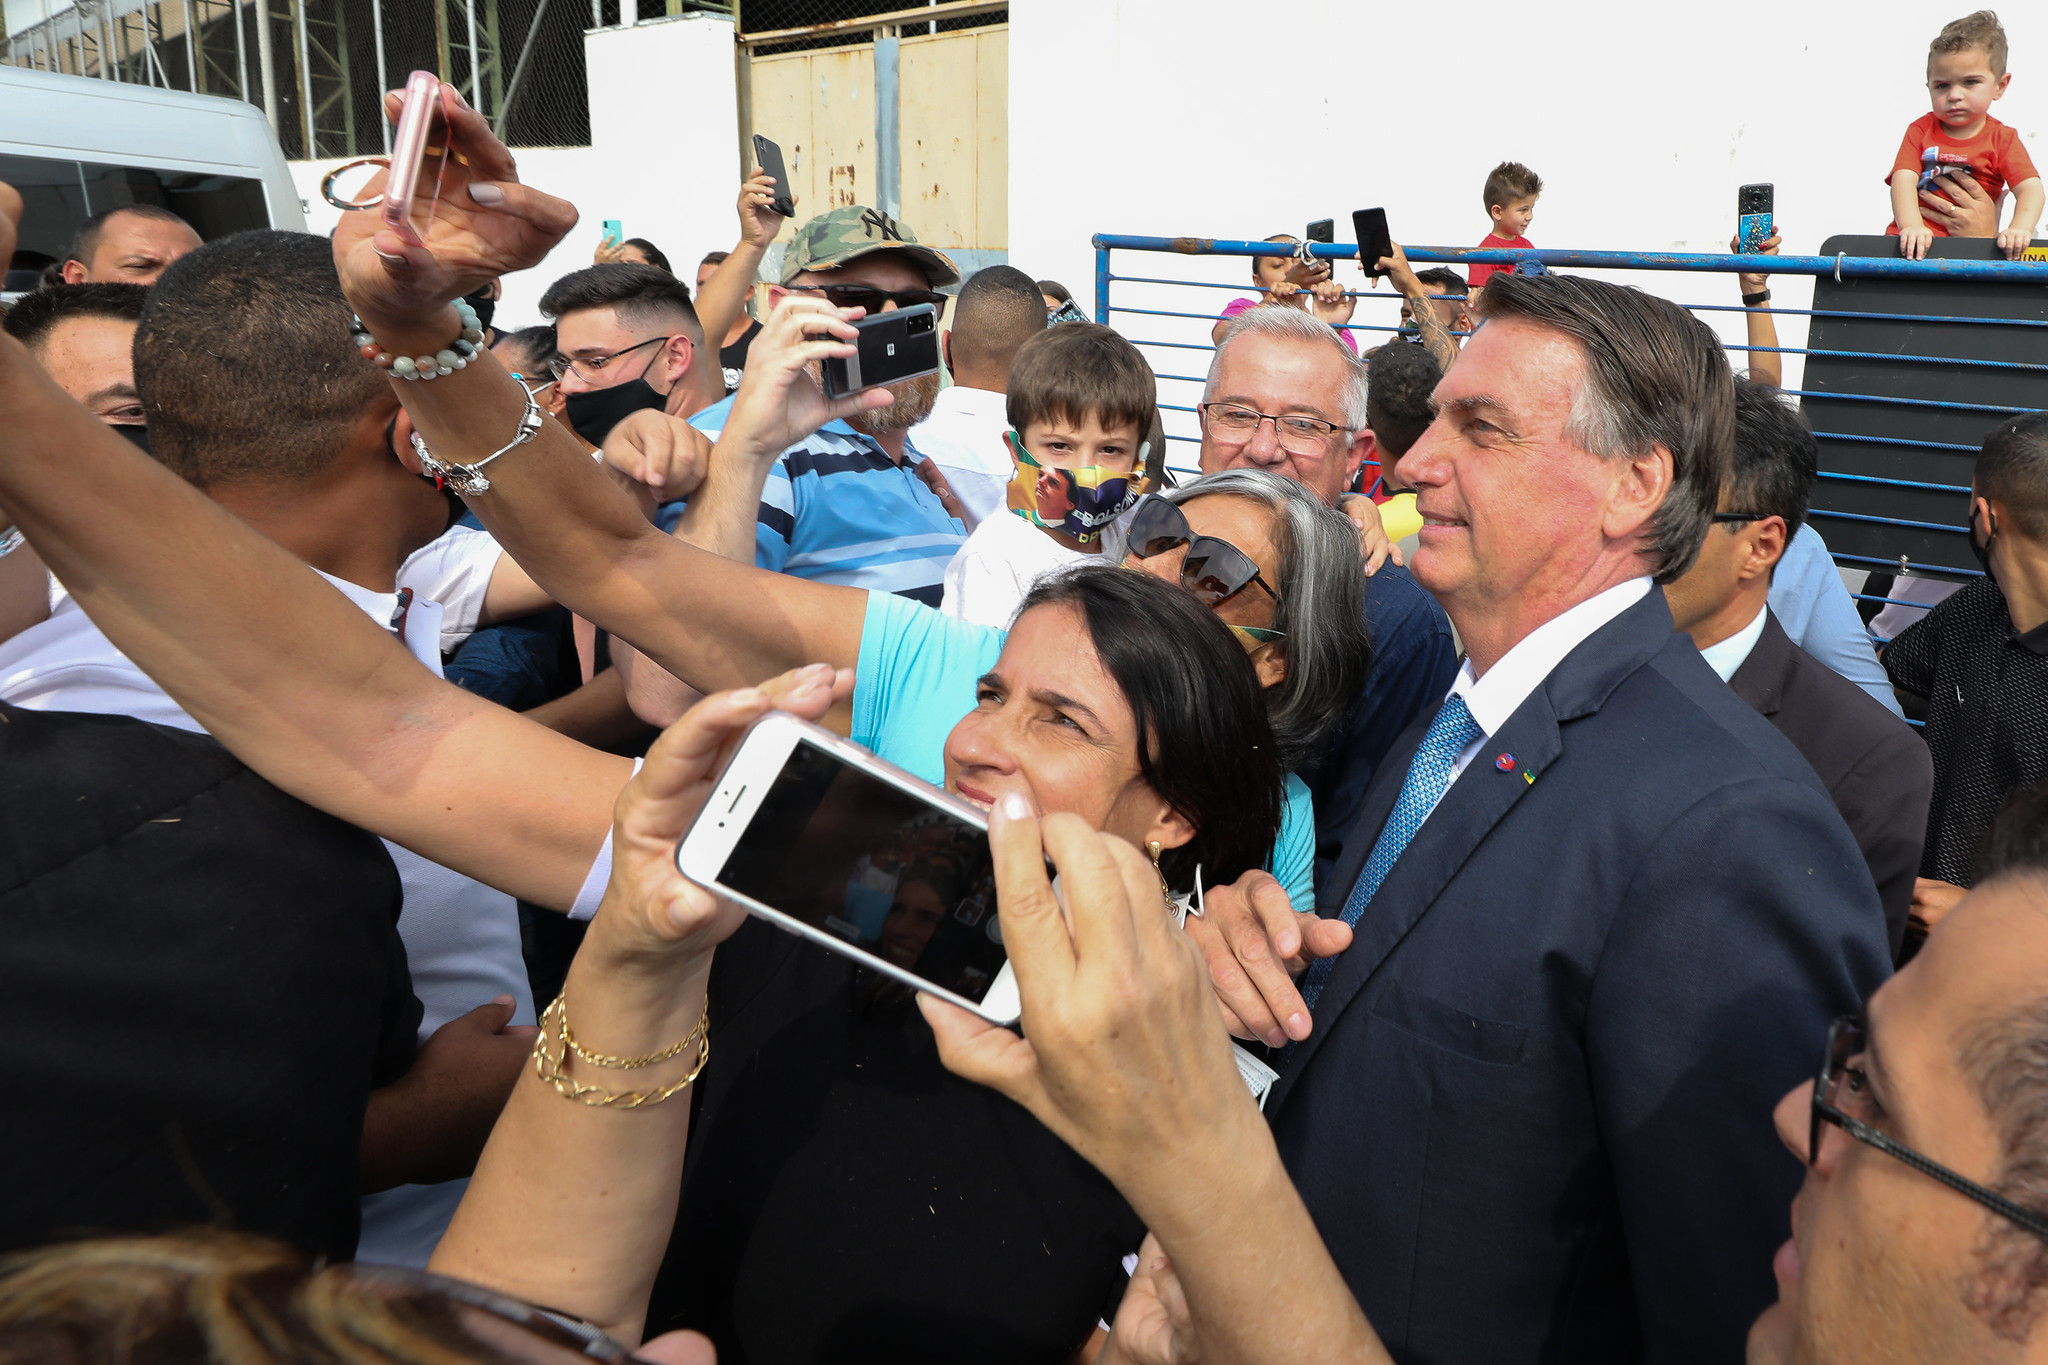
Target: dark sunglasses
868, 297
1841, 1088
1214, 571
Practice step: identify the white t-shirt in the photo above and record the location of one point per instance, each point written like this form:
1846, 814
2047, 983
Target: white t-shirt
964, 437
461, 937
454, 570
1000, 562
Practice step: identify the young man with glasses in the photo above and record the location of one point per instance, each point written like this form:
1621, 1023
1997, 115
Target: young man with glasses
626, 338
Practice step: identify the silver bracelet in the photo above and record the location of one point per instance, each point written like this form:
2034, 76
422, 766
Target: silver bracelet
11, 540
468, 479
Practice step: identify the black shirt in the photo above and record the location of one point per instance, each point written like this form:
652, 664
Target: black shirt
733, 359
1987, 716
846, 1198
204, 981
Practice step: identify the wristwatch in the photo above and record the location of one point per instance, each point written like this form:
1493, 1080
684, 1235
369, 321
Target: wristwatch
1762, 296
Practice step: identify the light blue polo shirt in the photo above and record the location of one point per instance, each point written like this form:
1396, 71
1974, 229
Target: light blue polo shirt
916, 679
837, 509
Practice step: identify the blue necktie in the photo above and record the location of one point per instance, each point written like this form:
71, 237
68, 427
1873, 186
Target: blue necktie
1429, 776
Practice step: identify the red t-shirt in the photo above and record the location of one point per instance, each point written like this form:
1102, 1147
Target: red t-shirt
1479, 273
1994, 157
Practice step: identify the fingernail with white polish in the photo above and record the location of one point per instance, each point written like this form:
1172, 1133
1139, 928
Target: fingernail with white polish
1015, 806
486, 194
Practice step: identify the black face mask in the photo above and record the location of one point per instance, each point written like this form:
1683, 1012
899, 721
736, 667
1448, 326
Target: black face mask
135, 435
486, 307
1983, 552
593, 413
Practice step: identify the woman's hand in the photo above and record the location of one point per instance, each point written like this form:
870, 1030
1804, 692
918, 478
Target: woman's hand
1124, 1055
652, 917
486, 224
779, 402
759, 222
1962, 209
1153, 1326
1754, 282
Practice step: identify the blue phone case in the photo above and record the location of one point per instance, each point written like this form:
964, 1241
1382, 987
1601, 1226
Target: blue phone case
1753, 230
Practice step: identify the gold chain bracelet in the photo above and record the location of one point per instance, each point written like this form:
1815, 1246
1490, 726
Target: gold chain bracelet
550, 1067
610, 1063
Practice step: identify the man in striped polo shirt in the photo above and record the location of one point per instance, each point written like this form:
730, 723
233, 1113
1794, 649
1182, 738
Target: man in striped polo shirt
850, 503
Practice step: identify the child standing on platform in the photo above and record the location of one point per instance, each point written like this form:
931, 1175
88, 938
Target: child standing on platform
1965, 72
1511, 193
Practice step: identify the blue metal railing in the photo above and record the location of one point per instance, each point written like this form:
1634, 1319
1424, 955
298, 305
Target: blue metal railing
1904, 478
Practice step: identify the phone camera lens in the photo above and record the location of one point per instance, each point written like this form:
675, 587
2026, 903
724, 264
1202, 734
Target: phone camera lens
923, 322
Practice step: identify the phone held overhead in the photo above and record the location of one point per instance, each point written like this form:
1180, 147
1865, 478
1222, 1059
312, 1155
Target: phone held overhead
821, 838
1374, 242
1753, 217
892, 346
768, 157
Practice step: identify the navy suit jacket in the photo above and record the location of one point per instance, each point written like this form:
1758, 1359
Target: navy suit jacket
1533, 1121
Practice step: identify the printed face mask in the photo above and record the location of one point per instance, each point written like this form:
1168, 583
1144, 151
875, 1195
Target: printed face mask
1080, 502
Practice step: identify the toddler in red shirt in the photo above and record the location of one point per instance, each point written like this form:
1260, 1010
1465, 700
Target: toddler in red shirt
1965, 72
1511, 193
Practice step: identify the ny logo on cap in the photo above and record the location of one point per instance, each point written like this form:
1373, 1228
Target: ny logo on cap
876, 221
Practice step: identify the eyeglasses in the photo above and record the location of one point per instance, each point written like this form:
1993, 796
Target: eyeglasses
549, 1329
1723, 517
1841, 1096
868, 297
588, 370
1214, 571
1237, 425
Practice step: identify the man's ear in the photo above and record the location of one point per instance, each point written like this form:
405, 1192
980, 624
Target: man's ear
1364, 446
776, 294
946, 352
1641, 483
74, 272
1766, 547
401, 441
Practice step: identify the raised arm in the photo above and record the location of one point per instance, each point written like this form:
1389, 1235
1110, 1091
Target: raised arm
1765, 363
1436, 338
711, 622
724, 295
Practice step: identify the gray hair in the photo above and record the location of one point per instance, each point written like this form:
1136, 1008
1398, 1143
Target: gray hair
1320, 612
1295, 324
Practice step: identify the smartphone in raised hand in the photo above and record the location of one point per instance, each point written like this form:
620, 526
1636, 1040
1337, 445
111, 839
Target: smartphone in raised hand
903, 344
1374, 242
419, 153
768, 157
819, 837
1753, 225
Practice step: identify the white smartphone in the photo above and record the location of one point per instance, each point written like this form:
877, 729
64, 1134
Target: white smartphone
819, 837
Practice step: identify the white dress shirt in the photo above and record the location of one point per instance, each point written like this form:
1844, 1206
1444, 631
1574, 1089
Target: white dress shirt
1520, 671
1727, 656
964, 437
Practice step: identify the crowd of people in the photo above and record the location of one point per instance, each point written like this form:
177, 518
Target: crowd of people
1544, 804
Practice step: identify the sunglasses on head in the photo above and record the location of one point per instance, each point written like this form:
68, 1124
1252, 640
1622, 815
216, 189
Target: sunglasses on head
1214, 571
868, 297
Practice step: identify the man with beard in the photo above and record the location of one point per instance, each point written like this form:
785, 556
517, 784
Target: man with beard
854, 502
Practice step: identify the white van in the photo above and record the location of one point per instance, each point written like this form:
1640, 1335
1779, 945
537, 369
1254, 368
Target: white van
75, 146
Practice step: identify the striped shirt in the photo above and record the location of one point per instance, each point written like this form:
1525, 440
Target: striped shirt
837, 509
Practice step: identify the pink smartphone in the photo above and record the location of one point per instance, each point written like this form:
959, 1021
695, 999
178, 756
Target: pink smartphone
419, 150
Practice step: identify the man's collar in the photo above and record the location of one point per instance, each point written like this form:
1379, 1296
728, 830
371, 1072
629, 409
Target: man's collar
2035, 640
1725, 656
1495, 697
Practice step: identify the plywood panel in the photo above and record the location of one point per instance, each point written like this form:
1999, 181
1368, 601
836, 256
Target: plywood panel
953, 121
819, 106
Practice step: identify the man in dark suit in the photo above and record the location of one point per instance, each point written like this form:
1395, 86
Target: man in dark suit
1603, 911
1877, 770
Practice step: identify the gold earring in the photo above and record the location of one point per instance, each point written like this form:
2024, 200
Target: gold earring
1164, 890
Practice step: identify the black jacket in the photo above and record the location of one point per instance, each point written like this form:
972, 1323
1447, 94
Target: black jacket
1878, 771
1533, 1121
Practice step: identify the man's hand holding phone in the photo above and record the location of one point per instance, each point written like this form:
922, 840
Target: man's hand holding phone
779, 401
759, 220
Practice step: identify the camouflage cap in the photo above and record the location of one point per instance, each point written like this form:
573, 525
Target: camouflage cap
832, 239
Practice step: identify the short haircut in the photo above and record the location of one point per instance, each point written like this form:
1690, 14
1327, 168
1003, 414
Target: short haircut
1776, 460
1400, 379
2006, 1056
1447, 281
34, 316
997, 311
87, 240
1053, 289
1294, 324
1981, 29
244, 363
1205, 744
1079, 370
713, 258
641, 295
1320, 610
1509, 181
2013, 468
648, 249
1654, 375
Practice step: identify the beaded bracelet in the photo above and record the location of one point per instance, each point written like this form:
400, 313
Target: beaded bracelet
468, 479
454, 356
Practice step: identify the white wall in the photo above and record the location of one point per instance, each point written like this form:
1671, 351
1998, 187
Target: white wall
663, 159
1191, 117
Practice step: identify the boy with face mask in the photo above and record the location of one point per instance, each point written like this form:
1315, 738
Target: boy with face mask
1081, 399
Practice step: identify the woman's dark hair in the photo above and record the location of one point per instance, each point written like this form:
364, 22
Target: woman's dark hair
1053, 289
1206, 746
650, 251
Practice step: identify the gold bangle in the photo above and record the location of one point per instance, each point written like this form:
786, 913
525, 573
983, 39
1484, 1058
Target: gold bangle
560, 1009
550, 1069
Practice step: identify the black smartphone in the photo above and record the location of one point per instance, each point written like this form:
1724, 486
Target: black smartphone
892, 346
1322, 230
1374, 245
768, 157
1752, 217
